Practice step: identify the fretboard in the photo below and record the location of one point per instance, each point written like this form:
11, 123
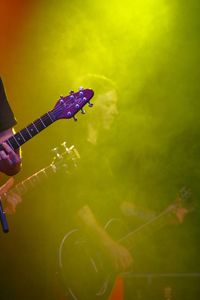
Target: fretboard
146, 230
22, 187
30, 131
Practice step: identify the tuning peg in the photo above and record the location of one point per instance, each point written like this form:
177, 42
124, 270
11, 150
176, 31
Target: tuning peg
90, 104
81, 93
81, 88
75, 119
75, 151
56, 152
71, 96
64, 144
82, 111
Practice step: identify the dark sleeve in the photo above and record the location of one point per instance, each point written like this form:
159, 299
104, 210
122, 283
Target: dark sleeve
7, 119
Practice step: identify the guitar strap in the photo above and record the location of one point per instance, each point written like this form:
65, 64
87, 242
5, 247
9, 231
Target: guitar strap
117, 292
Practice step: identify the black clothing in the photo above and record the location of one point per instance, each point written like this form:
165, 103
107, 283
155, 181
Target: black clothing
7, 119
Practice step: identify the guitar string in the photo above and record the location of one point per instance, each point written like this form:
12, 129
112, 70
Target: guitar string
169, 209
46, 117
22, 187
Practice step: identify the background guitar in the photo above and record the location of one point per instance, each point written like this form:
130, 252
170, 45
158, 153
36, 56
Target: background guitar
87, 273
67, 160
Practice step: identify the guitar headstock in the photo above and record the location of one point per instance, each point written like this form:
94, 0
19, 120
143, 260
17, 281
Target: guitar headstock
67, 107
66, 159
183, 197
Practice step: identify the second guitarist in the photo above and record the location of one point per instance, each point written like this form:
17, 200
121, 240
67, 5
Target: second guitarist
94, 194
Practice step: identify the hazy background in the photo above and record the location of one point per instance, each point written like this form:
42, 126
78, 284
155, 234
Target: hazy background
150, 49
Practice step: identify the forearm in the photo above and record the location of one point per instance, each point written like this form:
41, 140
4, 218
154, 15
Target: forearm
118, 255
91, 226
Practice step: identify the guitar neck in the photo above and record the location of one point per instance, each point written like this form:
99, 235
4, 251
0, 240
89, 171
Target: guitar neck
144, 231
30, 131
22, 187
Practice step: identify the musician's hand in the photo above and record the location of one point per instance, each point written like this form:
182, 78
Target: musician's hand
180, 214
12, 199
119, 256
10, 160
7, 186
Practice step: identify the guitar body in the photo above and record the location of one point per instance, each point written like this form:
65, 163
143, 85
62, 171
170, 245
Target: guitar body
85, 271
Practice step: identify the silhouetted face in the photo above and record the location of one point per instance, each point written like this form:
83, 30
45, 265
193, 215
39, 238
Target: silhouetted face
107, 105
